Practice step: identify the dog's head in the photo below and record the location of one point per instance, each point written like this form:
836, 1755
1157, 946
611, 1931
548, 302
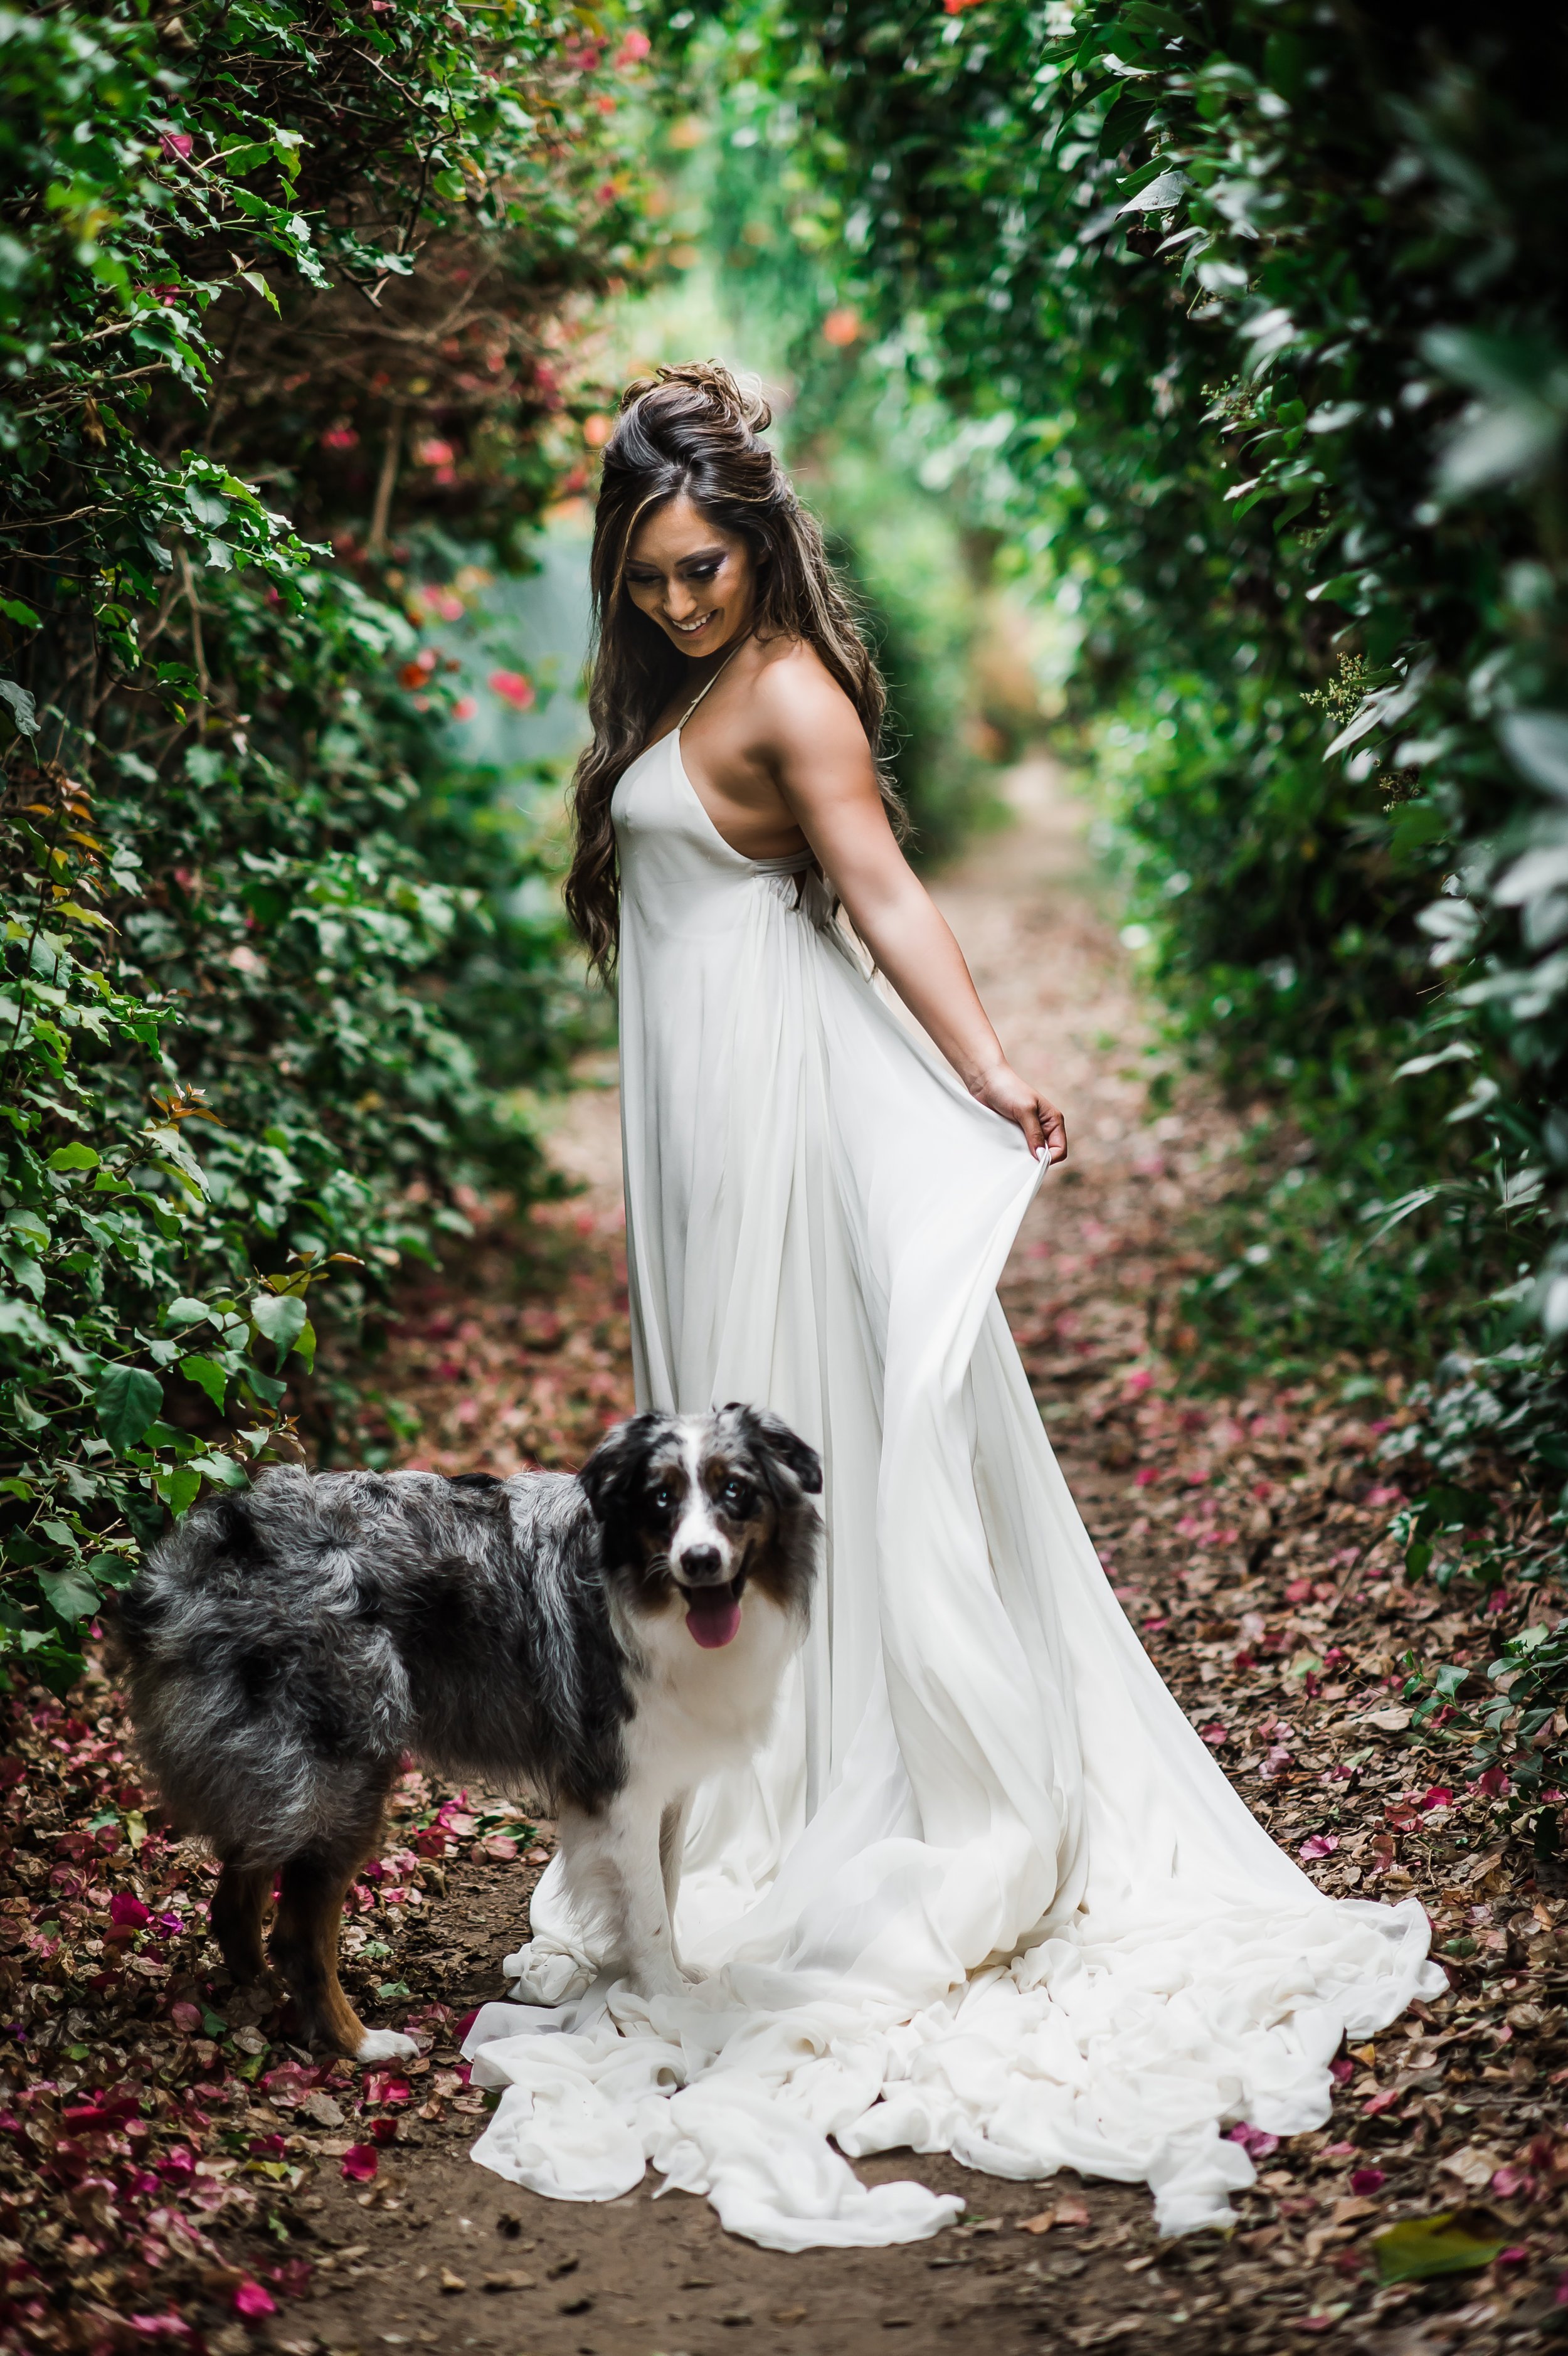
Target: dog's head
694, 1509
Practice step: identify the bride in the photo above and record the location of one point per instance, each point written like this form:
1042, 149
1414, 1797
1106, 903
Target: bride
986, 1892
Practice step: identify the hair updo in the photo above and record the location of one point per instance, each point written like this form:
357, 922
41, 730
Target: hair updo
692, 432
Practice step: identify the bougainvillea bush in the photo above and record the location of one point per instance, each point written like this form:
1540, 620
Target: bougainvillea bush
260, 919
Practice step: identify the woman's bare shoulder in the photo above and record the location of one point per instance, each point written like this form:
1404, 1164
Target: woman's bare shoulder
796, 705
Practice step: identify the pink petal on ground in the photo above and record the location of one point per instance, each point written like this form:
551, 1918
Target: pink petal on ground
251, 2299
360, 2163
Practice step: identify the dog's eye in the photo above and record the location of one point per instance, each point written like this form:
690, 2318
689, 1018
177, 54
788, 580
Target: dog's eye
736, 1495
663, 1498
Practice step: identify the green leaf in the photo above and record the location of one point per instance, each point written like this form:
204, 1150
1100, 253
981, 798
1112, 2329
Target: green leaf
69, 1593
212, 1379
22, 707
221, 1471
111, 1570
179, 1489
187, 1312
14, 611
1538, 741
254, 279
72, 1157
282, 1317
1420, 2248
128, 1399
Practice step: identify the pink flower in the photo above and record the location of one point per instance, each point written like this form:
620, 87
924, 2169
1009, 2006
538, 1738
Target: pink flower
1494, 1782
501, 1847
186, 2016
177, 144
633, 50
1320, 1845
1143, 1479
842, 327
128, 1912
1254, 2141
340, 437
1438, 1797
1342, 2069
1215, 1735
1365, 2181
251, 2301
360, 2163
464, 708
513, 689
381, 2087
433, 452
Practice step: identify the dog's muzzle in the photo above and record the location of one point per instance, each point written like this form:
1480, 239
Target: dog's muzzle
712, 1602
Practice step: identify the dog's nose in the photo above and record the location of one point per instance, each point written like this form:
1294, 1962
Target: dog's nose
700, 1565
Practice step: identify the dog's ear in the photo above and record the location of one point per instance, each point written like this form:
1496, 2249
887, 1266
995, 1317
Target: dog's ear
610, 1471
770, 1433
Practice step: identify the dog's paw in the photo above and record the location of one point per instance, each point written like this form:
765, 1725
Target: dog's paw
385, 2045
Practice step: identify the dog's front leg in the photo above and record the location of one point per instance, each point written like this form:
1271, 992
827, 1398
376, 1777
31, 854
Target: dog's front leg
672, 1852
611, 1863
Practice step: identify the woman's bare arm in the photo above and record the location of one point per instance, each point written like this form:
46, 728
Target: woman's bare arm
816, 752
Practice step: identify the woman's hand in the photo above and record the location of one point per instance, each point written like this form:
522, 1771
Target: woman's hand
1041, 1124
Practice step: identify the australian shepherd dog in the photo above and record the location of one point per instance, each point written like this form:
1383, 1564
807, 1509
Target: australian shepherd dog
610, 1637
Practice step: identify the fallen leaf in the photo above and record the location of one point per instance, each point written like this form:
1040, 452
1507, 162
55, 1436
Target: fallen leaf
1420, 2248
1474, 2167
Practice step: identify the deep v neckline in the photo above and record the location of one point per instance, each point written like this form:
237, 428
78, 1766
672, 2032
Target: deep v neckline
787, 863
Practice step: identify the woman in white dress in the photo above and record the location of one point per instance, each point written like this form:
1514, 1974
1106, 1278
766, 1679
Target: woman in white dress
986, 1892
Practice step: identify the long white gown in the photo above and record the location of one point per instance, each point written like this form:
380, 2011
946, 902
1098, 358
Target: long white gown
986, 1892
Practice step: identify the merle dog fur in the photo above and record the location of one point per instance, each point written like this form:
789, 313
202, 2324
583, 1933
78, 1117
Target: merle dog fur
285, 1649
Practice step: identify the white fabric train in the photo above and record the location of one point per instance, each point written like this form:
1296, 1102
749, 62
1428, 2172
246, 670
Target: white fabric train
986, 1892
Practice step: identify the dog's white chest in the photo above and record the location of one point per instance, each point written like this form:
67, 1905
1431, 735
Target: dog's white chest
699, 1710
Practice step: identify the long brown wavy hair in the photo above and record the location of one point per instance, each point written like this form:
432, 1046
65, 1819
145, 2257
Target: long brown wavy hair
694, 431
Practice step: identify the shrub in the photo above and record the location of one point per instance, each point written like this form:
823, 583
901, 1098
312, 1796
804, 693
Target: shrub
257, 915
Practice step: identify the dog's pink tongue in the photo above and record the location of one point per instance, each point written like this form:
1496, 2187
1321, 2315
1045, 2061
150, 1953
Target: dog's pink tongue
714, 1618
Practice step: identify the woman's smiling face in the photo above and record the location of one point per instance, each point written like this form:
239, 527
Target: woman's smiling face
697, 581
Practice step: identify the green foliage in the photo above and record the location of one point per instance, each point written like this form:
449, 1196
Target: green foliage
261, 925
1266, 309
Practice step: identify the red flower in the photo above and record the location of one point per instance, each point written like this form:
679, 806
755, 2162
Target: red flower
128, 1912
513, 689
360, 2163
1365, 2181
340, 437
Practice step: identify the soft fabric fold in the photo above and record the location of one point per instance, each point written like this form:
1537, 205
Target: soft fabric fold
983, 1891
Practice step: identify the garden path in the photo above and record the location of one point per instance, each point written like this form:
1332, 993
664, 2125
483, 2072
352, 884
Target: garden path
1248, 1539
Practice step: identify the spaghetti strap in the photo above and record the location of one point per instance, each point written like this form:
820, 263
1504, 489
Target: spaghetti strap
707, 683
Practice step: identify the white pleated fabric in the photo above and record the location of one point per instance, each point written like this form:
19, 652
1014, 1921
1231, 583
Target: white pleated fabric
985, 1891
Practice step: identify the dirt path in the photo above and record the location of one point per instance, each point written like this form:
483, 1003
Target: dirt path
1244, 1537
1246, 1544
